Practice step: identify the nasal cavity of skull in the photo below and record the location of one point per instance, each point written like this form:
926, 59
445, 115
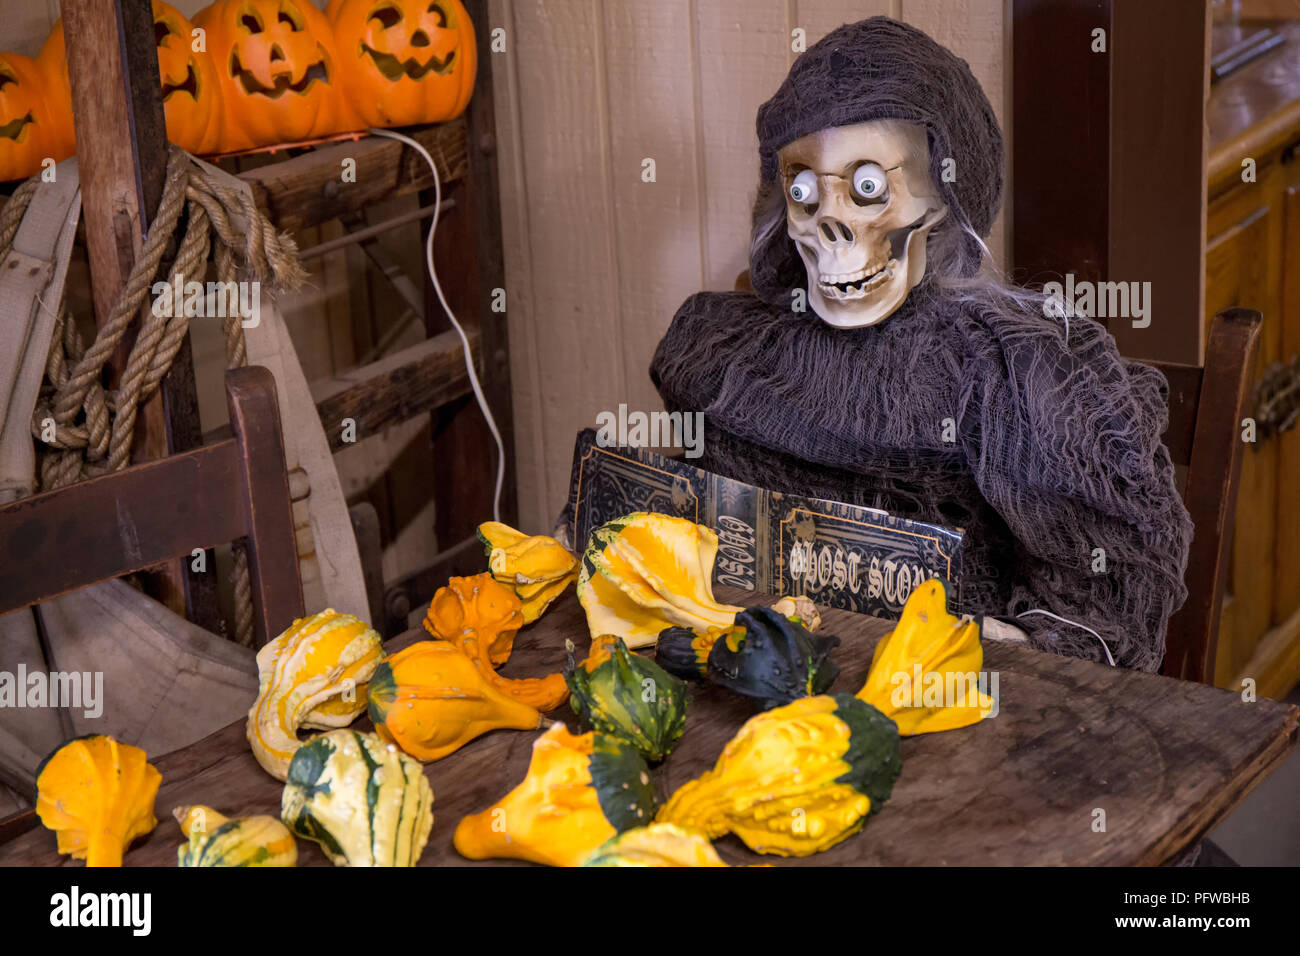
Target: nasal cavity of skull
836, 232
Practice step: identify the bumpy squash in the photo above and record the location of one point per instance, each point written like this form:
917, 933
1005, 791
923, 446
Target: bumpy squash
313, 675
766, 654
645, 572
579, 792
431, 700
659, 844
772, 659
215, 840
481, 616
925, 673
364, 801
97, 796
628, 696
795, 780
536, 568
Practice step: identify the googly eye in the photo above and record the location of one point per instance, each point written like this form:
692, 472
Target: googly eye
804, 187
869, 181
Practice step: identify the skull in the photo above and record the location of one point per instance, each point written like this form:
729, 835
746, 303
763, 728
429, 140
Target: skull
859, 206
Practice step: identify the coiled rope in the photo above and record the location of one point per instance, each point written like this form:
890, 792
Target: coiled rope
93, 427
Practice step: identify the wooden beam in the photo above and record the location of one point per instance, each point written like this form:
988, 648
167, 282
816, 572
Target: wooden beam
414, 381
122, 160
464, 493
308, 189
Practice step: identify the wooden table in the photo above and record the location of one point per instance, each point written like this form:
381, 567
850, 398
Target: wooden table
1165, 760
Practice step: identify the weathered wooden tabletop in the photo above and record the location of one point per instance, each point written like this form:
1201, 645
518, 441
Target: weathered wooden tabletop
1165, 760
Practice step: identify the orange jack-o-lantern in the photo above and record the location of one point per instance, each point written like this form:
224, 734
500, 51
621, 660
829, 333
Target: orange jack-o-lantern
278, 69
190, 89
27, 133
405, 61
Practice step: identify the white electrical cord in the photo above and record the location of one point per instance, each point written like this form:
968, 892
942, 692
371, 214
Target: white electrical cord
1082, 627
469, 358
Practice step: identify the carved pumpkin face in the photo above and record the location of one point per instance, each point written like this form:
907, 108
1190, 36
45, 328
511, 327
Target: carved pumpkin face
276, 62
190, 87
24, 117
405, 61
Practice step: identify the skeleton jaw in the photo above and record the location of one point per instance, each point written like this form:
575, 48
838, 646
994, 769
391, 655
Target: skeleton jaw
855, 285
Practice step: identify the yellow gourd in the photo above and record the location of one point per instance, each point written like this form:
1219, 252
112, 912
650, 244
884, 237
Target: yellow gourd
925, 673
216, 840
646, 572
364, 801
97, 796
659, 844
431, 700
536, 568
795, 780
580, 791
312, 676
480, 617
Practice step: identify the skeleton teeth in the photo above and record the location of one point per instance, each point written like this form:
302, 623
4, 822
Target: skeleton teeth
829, 284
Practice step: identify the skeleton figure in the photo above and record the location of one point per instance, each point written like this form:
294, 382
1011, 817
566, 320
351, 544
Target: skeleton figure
881, 362
860, 206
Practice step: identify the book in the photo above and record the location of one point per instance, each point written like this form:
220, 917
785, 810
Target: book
837, 554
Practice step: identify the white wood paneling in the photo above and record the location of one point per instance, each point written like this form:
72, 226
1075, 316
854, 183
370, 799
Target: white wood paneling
597, 261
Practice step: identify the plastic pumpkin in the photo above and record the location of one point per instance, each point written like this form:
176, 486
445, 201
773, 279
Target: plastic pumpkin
190, 88
28, 130
277, 66
405, 61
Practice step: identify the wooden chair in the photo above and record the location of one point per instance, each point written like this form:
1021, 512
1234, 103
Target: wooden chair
1206, 407
66, 539
98, 529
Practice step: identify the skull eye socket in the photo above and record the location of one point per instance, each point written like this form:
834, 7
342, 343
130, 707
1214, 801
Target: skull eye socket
387, 17
869, 183
804, 187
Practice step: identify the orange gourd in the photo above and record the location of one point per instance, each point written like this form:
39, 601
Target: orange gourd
431, 700
278, 70
480, 616
405, 61
29, 126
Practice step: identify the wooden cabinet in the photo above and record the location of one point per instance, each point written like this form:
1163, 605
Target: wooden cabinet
1253, 260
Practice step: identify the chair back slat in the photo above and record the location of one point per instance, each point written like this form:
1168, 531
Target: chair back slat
71, 537
56, 542
1184, 397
